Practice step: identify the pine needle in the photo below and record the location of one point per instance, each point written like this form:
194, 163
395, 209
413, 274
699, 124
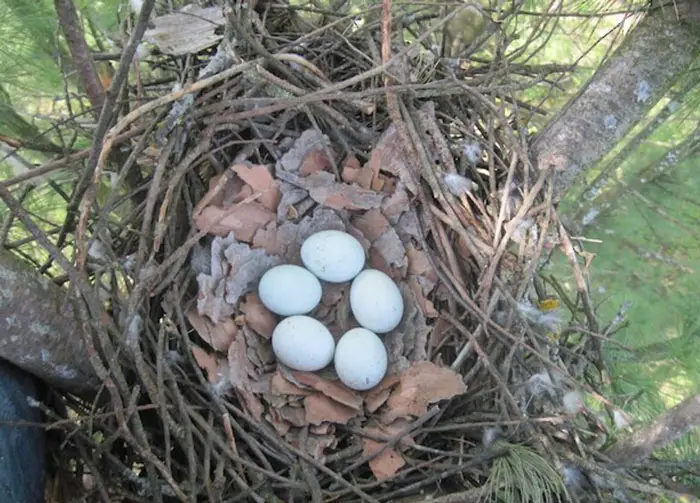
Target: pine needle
523, 475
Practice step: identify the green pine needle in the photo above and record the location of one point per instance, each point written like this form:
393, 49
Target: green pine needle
523, 475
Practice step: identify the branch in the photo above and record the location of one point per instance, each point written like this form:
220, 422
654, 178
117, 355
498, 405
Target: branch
620, 94
105, 120
39, 329
669, 427
84, 64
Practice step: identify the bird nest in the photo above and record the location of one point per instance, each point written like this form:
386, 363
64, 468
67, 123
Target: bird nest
274, 133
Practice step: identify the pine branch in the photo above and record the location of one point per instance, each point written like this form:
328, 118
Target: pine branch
669, 427
622, 92
105, 119
84, 64
39, 329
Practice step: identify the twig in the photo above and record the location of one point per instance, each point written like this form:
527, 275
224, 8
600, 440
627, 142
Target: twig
86, 190
85, 66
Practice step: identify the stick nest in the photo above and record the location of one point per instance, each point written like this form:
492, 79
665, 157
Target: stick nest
290, 124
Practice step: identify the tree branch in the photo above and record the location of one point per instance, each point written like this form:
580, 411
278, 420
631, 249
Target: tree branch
39, 329
619, 95
82, 57
669, 427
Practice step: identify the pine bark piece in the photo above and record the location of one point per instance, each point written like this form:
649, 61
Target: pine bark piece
39, 329
188, 31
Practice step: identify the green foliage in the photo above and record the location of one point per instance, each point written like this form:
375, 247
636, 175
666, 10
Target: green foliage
522, 475
28, 48
648, 252
12, 123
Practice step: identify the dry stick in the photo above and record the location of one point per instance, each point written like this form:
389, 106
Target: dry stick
179, 174
615, 477
456, 226
62, 162
475, 495
103, 219
510, 228
144, 452
226, 420
95, 472
435, 89
395, 115
320, 78
151, 387
449, 253
385, 65
86, 191
583, 292
238, 460
115, 374
549, 207
415, 466
228, 451
162, 404
142, 447
152, 199
252, 443
443, 474
461, 294
305, 457
283, 84
307, 473
428, 121
470, 306
78, 419
84, 64
393, 440
188, 444
225, 448
110, 137
504, 201
466, 350
484, 360
477, 248
198, 86
206, 468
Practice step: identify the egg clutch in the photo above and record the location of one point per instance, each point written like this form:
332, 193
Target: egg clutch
304, 343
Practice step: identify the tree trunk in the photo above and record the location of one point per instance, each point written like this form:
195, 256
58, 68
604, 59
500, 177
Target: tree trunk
623, 90
39, 329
